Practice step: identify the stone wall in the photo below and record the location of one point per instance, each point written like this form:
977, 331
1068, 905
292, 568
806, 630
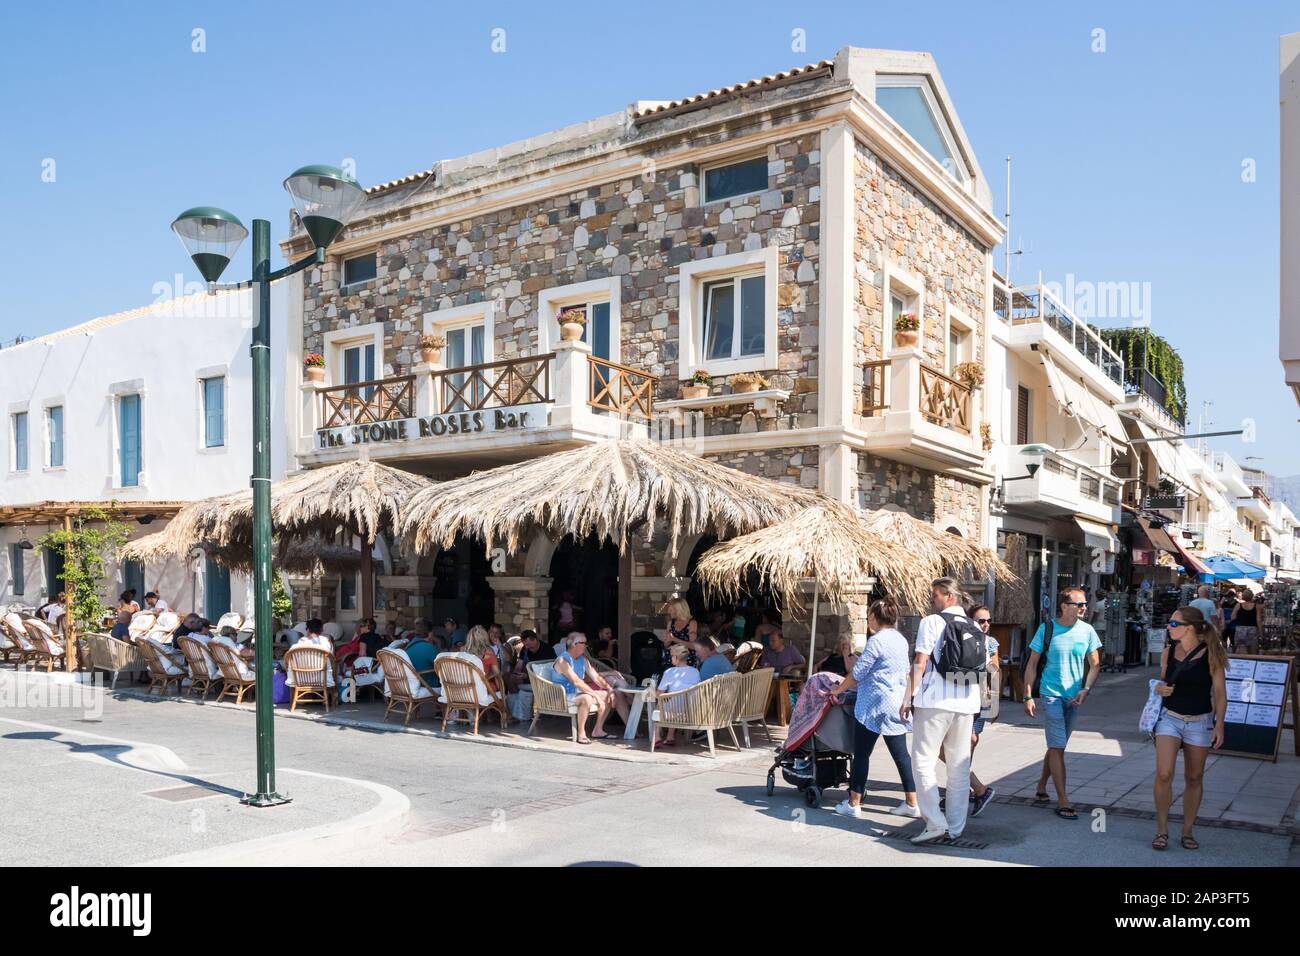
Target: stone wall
921, 493
895, 223
795, 464
641, 229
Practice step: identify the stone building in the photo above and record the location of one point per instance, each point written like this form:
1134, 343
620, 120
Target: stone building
778, 227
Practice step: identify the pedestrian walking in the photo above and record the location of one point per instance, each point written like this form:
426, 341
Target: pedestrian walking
1192, 671
942, 699
880, 676
980, 793
1245, 638
1059, 654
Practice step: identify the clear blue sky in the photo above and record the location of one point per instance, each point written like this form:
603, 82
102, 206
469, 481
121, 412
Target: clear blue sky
1128, 162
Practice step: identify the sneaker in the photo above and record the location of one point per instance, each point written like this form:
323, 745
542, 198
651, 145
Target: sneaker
977, 804
903, 810
943, 804
930, 834
846, 809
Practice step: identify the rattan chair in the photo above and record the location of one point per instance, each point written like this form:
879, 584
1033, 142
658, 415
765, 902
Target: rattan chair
403, 686
203, 669
747, 657
549, 698
162, 672
47, 647
116, 657
311, 673
751, 701
21, 645
708, 706
465, 689
236, 676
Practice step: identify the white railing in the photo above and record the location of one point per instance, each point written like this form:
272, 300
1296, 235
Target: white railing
1031, 304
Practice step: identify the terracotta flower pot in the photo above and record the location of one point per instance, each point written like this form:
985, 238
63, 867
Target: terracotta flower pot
906, 339
571, 331
430, 356
744, 389
695, 391
314, 373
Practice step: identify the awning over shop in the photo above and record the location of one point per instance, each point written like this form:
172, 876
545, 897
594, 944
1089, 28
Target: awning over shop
1097, 535
1169, 458
1158, 537
1075, 397
1191, 563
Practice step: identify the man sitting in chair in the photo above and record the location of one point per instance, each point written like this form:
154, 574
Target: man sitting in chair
581, 680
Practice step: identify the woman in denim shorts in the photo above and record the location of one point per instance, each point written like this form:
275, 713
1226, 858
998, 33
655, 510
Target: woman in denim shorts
1195, 696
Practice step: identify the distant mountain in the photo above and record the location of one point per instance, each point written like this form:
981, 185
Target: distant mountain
1287, 490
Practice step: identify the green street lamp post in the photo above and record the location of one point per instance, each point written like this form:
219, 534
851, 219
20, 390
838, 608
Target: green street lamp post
326, 199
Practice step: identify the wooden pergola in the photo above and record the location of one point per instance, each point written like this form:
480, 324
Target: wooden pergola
62, 513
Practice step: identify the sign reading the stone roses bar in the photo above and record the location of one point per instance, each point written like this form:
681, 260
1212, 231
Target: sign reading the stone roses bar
432, 428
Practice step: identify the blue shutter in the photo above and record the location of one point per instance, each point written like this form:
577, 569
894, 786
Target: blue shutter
16, 568
598, 323
214, 412
20, 441
129, 424
133, 577
56, 436
216, 590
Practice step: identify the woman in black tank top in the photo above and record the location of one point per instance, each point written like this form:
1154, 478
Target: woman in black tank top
1192, 672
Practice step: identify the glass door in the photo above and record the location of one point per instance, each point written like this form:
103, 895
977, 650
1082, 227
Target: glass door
465, 348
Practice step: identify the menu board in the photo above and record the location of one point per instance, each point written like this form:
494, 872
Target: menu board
1257, 689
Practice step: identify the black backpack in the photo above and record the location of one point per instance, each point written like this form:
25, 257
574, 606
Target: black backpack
963, 648
1049, 626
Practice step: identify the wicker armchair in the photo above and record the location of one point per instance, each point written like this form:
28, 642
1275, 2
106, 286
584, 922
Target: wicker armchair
311, 676
751, 701
46, 646
403, 685
747, 657
549, 698
116, 657
203, 669
708, 706
236, 676
162, 672
465, 689
23, 646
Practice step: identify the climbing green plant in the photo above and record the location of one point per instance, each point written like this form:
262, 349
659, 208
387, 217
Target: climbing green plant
95, 536
281, 603
1142, 349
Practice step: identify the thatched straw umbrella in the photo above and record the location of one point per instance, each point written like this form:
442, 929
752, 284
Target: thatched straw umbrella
609, 489
363, 497
840, 547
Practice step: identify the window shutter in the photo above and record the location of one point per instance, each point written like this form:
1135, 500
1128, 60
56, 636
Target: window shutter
129, 413
214, 412
1022, 415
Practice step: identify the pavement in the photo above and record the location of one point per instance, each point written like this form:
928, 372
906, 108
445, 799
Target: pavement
122, 779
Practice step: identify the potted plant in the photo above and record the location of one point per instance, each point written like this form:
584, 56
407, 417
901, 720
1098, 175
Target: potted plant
313, 364
907, 330
747, 382
431, 347
970, 374
986, 435
697, 386
572, 322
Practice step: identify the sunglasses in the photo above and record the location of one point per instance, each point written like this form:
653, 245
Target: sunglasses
1173, 624
982, 621
1075, 604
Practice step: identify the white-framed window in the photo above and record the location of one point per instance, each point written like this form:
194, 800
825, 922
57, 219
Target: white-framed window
355, 355
54, 448
600, 299
904, 293
358, 270
212, 395
470, 334
727, 313
959, 340
735, 177
347, 592
18, 440
910, 101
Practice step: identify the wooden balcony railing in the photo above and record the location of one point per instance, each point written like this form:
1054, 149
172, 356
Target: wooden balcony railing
875, 394
622, 390
945, 401
364, 403
516, 381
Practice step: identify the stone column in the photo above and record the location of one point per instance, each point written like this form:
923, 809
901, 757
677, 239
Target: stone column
522, 603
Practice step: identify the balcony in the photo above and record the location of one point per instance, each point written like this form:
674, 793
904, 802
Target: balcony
1146, 399
1037, 318
1230, 474
478, 415
917, 414
1060, 487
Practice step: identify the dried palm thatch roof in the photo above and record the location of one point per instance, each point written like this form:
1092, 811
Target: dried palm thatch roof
840, 547
364, 497
1012, 604
313, 555
605, 489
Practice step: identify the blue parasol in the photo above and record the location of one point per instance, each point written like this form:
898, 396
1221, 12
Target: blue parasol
1223, 568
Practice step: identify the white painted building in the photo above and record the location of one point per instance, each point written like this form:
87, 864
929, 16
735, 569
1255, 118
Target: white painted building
1289, 319
148, 408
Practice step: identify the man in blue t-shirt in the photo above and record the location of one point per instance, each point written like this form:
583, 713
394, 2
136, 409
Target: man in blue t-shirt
711, 662
1064, 687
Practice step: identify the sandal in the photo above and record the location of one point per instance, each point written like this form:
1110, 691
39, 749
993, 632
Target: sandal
1188, 842
1161, 841
1067, 813
601, 736
584, 740
1041, 797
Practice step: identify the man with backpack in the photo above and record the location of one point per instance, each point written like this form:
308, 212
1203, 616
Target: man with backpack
942, 699
1061, 648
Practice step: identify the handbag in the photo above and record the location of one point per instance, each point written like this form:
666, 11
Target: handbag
1155, 705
